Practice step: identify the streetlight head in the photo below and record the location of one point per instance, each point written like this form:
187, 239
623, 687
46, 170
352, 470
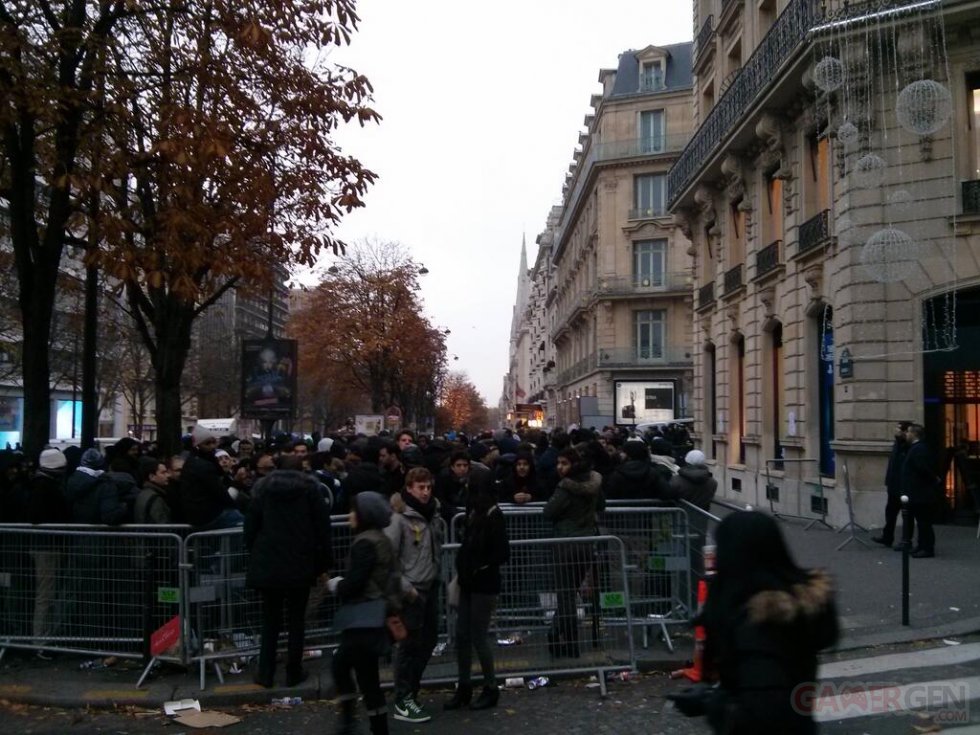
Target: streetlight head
333, 270
448, 331
423, 271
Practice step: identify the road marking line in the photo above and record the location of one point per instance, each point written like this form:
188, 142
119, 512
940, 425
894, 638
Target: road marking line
901, 698
946, 655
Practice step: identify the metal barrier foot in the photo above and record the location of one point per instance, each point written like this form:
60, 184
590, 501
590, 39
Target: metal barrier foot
217, 671
146, 672
202, 674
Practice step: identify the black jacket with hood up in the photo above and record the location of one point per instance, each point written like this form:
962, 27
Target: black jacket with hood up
634, 479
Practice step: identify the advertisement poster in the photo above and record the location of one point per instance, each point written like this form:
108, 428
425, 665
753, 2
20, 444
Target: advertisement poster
268, 378
644, 401
369, 425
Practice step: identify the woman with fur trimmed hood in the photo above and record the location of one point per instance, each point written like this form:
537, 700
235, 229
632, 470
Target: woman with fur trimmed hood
765, 620
573, 510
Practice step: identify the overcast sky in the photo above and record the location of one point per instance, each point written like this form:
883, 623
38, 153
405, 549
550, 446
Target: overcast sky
482, 106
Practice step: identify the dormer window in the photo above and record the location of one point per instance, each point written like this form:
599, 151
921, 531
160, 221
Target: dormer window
652, 76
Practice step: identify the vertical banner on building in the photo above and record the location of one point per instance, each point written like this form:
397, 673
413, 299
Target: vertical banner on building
268, 378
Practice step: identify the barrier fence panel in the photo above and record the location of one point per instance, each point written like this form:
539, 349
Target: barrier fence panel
564, 607
97, 592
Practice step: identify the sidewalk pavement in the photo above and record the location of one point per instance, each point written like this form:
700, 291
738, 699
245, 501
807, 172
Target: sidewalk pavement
944, 602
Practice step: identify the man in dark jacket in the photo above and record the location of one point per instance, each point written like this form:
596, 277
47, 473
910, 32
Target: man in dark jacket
636, 478
204, 498
47, 505
893, 485
693, 482
459, 482
921, 483
392, 470
287, 534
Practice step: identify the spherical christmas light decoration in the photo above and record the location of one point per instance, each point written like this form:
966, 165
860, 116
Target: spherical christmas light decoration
828, 73
924, 107
848, 134
869, 171
889, 255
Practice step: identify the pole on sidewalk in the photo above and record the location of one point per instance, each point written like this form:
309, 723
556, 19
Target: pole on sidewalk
906, 548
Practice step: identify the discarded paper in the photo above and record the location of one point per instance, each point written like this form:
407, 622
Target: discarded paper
181, 705
207, 719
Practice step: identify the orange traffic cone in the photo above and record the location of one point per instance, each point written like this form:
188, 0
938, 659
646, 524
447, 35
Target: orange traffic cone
694, 672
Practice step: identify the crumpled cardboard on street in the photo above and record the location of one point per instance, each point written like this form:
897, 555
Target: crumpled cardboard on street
207, 719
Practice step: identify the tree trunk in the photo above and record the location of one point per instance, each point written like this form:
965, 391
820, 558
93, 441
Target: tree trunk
172, 326
37, 390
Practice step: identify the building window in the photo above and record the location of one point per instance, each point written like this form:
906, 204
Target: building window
649, 335
817, 182
651, 200
711, 395
825, 389
652, 76
776, 396
736, 389
736, 253
774, 209
649, 258
652, 131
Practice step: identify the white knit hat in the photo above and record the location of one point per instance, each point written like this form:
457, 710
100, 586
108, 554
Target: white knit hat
324, 444
52, 459
695, 456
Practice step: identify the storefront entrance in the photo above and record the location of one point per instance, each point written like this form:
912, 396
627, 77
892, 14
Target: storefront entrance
952, 410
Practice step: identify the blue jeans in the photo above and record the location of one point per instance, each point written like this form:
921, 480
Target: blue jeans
228, 518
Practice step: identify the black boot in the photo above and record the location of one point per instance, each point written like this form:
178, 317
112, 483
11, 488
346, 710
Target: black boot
461, 697
488, 698
348, 722
379, 724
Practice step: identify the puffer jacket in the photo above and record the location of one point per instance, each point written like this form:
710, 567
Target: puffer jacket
574, 506
695, 484
287, 532
634, 479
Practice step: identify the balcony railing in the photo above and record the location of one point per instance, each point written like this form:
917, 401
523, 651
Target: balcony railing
639, 147
640, 285
648, 212
706, 294
767, 259
783, 39
971, 197
626, 357
704, 36
815, 231
571, 307
576, 371
733, 279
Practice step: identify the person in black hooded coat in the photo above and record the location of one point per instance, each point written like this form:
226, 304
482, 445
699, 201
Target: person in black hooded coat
636, 478
287, 534
765, 620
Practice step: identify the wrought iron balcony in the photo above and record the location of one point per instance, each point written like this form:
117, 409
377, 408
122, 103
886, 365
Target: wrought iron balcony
705, 35
785, 36
971, 197
643, 285
767, 259
652, 82
639, 147
733, 279
814, 232
706, 294
576, 371
655, 355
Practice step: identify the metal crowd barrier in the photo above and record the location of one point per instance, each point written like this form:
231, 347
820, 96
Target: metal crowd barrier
564, 608
92, 591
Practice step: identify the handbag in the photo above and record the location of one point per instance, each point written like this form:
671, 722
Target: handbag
452, 591
367, 614
396, 628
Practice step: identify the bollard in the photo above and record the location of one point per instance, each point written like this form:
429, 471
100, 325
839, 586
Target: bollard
906, 548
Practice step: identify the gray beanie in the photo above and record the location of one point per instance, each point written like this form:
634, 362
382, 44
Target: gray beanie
201, 434
373, 510
92, 458
52, 459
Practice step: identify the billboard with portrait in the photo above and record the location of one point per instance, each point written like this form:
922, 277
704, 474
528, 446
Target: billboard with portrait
644, 401
268, 378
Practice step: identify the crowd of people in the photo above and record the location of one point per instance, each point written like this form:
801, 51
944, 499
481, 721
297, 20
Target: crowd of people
395, 488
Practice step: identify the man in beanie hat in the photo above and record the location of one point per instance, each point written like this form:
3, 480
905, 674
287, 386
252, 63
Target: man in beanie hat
693, 482
204, 498
47, 505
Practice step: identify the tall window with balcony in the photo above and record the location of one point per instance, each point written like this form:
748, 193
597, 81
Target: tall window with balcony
649, 258
652, 76
971, 186
650, 196
776, 394
817, 181
767, 257
649, 338
710, 397
735, 249
652, 131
